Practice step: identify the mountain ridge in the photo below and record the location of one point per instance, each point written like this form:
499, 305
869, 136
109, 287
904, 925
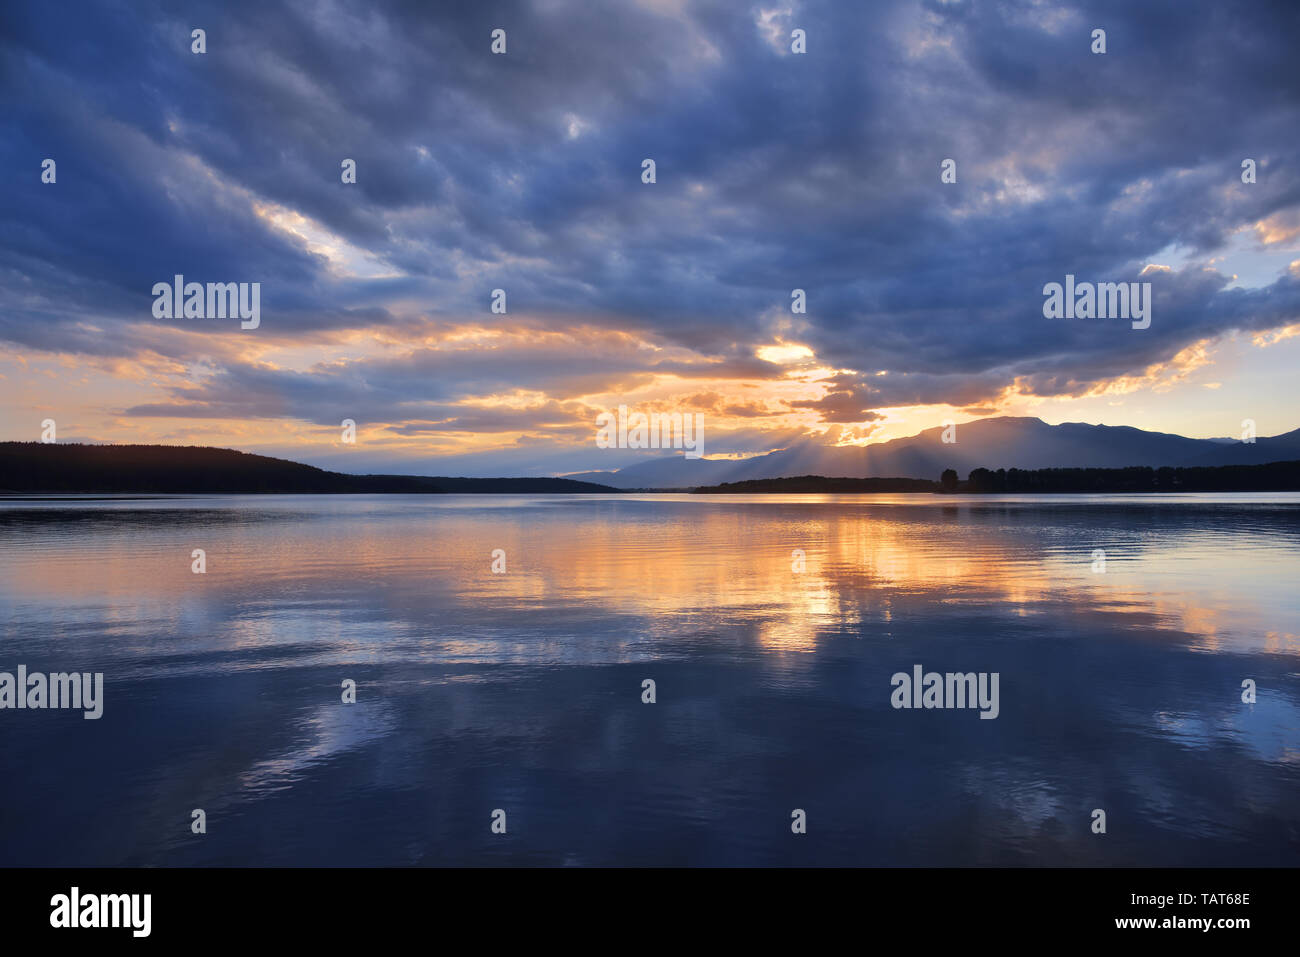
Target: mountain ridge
997, 443
1022, 442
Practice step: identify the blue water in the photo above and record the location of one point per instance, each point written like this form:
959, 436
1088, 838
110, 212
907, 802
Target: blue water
522, 691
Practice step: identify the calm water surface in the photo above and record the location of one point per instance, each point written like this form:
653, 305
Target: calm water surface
522, 691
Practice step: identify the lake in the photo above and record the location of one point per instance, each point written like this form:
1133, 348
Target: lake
771, 626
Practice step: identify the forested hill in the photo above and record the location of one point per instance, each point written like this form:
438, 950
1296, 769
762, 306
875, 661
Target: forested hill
53, 467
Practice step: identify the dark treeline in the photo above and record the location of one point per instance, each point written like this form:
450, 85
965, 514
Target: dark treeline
1274, 477
41, 467
816, 483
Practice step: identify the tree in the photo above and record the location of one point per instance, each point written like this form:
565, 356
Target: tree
948, 480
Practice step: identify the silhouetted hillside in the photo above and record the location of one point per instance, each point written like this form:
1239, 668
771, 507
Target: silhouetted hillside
40, 467
36, 467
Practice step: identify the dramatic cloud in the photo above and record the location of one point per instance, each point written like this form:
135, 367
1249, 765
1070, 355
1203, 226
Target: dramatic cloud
775, 171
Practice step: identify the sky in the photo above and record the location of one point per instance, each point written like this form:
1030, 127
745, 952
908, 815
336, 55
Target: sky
522, 171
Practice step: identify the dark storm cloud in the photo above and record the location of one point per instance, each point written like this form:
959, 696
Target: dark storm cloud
521, 171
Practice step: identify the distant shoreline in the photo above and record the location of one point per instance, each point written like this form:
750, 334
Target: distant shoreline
1272, 477
39, 469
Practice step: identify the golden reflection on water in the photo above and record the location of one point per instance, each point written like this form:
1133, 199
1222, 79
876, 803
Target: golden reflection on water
776, 665
675, 561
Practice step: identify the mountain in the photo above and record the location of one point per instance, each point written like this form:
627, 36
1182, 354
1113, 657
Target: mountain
1278, 448
1000, 442
1003, 442
41, 467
